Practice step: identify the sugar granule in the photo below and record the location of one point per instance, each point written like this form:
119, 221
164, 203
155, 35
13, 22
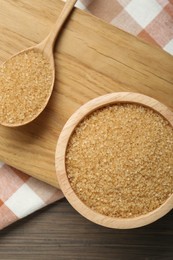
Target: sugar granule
119, 160
25, 82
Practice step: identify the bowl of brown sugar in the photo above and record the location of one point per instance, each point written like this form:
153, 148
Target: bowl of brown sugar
114, 160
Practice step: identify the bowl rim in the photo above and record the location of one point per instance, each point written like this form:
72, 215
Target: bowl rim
67, 131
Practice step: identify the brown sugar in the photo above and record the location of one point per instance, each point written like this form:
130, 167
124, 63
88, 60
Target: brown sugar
25, 82
119, 160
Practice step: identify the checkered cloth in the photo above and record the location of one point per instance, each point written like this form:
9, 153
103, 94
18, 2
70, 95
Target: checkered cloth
20, 195
151, 20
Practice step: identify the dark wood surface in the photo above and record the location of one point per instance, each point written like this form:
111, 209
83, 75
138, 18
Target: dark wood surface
59, 232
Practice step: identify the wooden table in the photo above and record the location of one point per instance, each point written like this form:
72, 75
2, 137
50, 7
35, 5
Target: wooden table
59, 232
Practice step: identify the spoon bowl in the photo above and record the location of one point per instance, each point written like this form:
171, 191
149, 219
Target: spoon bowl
27, 78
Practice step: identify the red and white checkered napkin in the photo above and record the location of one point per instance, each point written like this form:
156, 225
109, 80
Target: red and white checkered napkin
152, 20
20, 195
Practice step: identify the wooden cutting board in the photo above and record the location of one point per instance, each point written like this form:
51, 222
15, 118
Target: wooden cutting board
92, 58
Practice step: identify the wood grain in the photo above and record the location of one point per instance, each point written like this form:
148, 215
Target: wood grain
58, 232
92, 58
48, 44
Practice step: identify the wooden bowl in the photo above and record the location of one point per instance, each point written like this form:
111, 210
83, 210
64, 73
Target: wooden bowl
75, 119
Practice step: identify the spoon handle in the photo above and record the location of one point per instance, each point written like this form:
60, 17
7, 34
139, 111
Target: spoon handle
49, 42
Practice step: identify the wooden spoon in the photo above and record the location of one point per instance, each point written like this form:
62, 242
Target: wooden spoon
27, 78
